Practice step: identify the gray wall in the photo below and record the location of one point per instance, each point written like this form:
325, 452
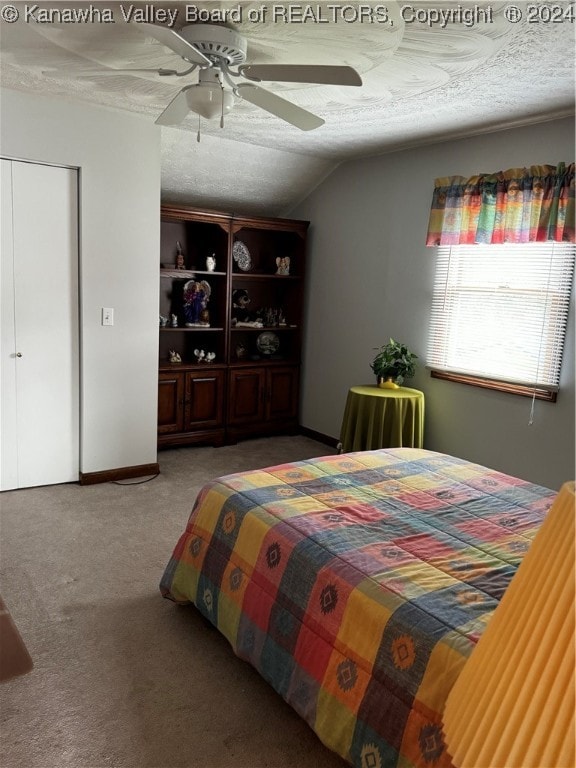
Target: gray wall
119, 160
370, 277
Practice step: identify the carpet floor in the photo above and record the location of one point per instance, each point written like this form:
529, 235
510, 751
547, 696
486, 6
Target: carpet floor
121, 677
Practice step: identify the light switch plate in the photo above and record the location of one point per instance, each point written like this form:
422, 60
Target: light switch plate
107, 316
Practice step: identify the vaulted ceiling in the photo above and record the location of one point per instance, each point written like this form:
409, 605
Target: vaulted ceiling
429, 72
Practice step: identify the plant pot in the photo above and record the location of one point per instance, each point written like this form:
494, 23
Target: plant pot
387, 383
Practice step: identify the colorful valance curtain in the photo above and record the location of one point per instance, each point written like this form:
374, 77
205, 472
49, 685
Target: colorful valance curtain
520, 205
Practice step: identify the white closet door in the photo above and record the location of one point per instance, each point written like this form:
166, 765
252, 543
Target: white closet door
46, 346
8, 431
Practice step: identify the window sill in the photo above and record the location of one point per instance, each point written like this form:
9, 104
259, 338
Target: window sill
499, 386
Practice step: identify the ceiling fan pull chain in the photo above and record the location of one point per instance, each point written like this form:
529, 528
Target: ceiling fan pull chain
198, 134
222, 112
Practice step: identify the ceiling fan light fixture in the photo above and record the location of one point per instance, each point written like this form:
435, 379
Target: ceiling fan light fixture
214, 49
209, 100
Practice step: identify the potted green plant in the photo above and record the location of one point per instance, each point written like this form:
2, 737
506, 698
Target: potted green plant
393, 363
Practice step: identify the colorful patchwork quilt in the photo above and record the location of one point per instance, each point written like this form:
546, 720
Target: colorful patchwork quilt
357, 585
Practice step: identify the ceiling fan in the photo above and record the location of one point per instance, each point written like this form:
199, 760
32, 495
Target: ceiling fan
215, 50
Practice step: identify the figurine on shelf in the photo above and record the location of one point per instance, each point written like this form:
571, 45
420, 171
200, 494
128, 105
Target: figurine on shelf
240, 301
210, 357
179, 256
199, 354
283, 265
174, 321
271, 316
240, 351
211, 263
196, 296
163, 321
174, 357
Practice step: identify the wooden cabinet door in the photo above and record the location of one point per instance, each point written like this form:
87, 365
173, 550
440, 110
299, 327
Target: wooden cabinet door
204, 399
282, 393
170, 403
246, 395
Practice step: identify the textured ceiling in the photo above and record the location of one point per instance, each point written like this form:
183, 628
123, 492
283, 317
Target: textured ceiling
482, 69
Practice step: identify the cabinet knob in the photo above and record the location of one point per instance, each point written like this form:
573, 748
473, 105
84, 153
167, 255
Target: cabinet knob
18, 354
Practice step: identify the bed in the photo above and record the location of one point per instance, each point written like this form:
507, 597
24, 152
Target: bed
357, 585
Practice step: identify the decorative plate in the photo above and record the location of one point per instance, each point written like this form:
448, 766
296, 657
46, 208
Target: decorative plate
241, 256
267, 343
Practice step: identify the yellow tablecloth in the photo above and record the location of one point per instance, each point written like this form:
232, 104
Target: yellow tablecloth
382, 418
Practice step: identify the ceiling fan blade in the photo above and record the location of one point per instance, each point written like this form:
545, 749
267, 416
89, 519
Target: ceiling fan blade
176, 111
94, 72
175, 42
302, 73
280, 107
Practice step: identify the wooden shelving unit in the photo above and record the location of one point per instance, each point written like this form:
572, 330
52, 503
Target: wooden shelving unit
252, 387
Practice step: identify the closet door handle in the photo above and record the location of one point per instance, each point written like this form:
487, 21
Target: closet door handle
18, 354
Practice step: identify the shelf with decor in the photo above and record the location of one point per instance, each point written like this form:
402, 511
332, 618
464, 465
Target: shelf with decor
261, 328
194, 285
265, 343
188, 274
232, 289
199, 329
240, 276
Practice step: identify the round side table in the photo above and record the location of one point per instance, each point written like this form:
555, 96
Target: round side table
382, 418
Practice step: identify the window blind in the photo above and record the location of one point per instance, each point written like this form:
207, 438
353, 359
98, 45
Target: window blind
500, 311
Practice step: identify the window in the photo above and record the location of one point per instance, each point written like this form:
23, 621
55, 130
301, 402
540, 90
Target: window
499, 315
